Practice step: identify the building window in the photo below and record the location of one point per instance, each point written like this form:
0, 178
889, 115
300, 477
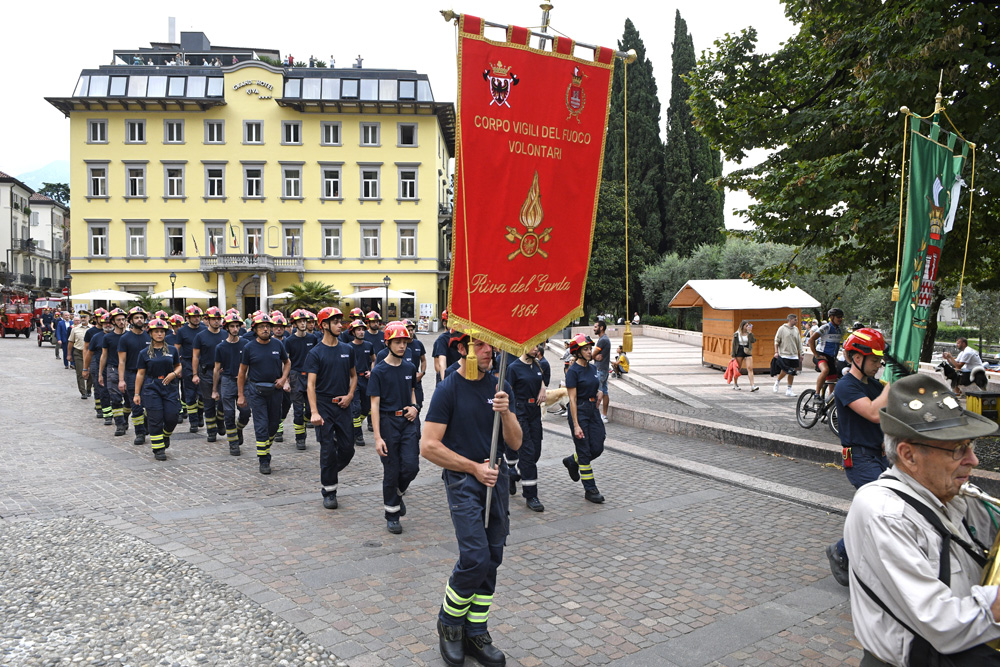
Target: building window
215, 239
369, 134
98, 240
97, 131
175, 240
215, 181
349, 88
369, 182
215, 131
330, 133
253, 182
293, 242
331, 183
253, 132
173, 132
173, 180
332, 241
97, 181
135, 132
407, 90
291, 179
408, 242
369, 242
254, 240
407, 134
291, 132
407, 183
135, 181
136, 240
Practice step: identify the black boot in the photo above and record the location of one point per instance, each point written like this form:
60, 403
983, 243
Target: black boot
108, 421
300, 442
450, 641
211, 436
160, 455
234, 449
166, 442
139, 440
482, 649
594, 496
193, 421
359, 439
573, 467
121, 429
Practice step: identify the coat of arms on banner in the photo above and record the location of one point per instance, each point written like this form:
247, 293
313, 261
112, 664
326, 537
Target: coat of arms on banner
501, 79
575, 97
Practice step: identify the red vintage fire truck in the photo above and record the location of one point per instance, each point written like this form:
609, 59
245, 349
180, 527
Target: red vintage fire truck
15, 312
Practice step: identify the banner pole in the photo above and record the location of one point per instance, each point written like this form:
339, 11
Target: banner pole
496, 434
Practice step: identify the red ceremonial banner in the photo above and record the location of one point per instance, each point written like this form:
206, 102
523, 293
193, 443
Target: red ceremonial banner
530, 148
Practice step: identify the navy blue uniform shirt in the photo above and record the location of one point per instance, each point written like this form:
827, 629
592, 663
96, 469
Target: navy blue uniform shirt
230, 355
184, 338
132, 344
525, 380
584, 378
546, 371
264, 361
91, 332
407, 356
206, 342
111, 345
377, 340
362, 357
393, 385
332, 365
298, 348
161, 364
855, 429
466, 408
96, 344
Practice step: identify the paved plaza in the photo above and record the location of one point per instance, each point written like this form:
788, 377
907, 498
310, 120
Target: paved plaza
704, 554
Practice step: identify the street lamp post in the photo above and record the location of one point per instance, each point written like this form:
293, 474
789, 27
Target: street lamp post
173, 279
385, 306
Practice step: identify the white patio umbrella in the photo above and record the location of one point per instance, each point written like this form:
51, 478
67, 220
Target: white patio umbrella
377, 293
184, 293
280, 295
104, 295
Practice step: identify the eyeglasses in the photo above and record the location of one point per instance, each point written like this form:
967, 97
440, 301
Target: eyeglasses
957, 453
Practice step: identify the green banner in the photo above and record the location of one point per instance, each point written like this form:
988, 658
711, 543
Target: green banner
934, 189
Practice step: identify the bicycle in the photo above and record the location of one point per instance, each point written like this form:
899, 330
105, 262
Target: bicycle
807, 413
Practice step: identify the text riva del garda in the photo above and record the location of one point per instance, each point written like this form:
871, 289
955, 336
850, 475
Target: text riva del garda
533, 130
538, 283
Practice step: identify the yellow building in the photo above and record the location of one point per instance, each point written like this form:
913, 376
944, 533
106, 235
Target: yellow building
242, 178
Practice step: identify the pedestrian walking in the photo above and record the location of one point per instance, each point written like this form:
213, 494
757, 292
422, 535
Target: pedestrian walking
130, 344
457, 436
298, 345
584, 389
392, 390
77, 344
184, 341
62, 329
743, 340
228, 355
203, 369
330, 386
264, 369
527, 381
787, 354
109, 372
602, 362
364, 361
159, 367
92, 359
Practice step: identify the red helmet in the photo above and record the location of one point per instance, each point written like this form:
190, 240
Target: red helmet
213, 311
865, 341
357, 313
310, 315
356, 324
176, 320
105, 317
300, 314
278, 319
192, 311
161, 315
458, 337
259, 318
395, 330
158, 323
372, 316
327, 313
136, 310
232, 318
115, 312
99, 312
444, 314
579, 342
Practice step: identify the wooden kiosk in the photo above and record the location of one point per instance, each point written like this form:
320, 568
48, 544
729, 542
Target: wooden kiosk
726, 303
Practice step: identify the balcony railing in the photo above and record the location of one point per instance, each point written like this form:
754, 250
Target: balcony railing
26, 279
244, 262
45, 282
63, 283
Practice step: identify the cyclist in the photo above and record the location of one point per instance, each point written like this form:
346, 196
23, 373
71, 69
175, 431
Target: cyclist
827, 337
859, 397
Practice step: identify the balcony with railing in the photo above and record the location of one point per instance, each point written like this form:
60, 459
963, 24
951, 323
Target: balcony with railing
26, 279
236, 263
45, 282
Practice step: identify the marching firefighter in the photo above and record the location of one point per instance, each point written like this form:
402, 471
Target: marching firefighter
228, 354
394, 417
184, 341
264, 370
364, 360
176, 322
203, 362
419, 356
279, 332
129, 345
527, 380
585, 423
374, 333
456, 436
347, 336
102, 400
298, 345
159, 367
330, 385
108, 371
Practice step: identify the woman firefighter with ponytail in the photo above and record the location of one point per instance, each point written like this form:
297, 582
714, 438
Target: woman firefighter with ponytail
159, 367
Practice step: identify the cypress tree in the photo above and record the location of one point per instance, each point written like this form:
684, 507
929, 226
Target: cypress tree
693, 209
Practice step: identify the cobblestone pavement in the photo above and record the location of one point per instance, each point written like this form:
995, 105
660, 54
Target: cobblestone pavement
675, 569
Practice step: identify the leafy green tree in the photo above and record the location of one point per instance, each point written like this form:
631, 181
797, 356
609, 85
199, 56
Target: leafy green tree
57, 191
979, 309
148, 303
826, 106
693, 207
312, 295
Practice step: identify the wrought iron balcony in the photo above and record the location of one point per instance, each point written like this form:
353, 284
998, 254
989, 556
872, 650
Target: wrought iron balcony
45, 282
26, 279
236, 263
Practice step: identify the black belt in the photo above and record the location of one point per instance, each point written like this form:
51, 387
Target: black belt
395, 413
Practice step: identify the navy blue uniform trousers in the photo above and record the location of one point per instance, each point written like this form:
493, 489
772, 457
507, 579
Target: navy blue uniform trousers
402, 463
591, 446
162, 410
266, 412
336, 442
529, 416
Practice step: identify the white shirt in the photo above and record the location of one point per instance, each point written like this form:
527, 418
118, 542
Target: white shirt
970, 358
896, 552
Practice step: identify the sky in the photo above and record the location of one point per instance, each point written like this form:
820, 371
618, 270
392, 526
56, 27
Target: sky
44, 53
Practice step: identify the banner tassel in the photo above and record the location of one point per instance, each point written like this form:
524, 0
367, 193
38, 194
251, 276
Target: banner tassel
471, 364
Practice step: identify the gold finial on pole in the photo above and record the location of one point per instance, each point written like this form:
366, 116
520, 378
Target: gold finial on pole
449, 15
546, 8
631, 56
938, 105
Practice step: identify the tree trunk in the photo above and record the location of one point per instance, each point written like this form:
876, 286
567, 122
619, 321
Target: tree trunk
932, 324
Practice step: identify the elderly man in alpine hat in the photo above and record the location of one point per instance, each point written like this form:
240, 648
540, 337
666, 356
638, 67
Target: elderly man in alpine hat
917, 546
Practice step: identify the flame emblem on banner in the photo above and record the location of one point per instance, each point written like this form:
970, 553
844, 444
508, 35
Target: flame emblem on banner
531, 217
